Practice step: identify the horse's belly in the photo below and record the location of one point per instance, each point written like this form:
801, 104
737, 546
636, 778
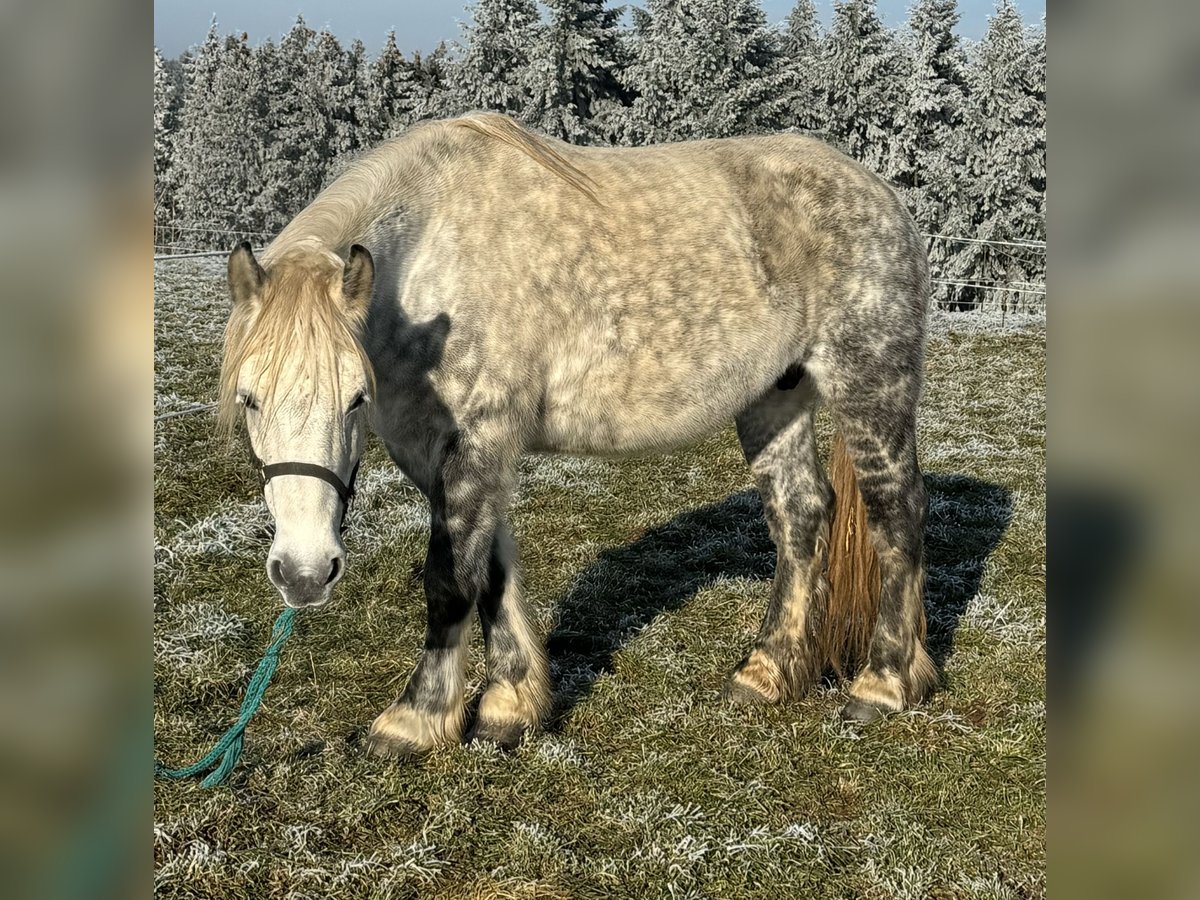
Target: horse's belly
609, 431
620, 413
659, 369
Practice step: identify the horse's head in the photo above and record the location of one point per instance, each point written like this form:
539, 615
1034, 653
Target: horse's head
294, 364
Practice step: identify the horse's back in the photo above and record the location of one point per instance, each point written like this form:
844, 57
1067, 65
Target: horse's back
647, 310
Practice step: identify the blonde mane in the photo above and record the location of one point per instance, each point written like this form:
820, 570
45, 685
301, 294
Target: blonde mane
537, 148
299, 327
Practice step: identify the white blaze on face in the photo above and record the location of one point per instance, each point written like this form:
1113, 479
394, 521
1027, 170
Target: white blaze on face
321, 423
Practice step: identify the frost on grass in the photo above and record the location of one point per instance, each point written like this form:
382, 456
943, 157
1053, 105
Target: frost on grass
191, 306
232, 530
194, 860
947, 507
387, 508
394, 870
992, 887
572, 680
385, 871
901, 882
678, 847
907, 860
983, 321
533, 848
762, 849
972, 447
170, 404
584, 476
1004, 619
193, 629
558, 751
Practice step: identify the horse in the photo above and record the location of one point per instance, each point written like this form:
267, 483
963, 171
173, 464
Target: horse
472, 291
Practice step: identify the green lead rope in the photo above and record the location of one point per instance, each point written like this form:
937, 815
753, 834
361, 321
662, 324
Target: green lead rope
228, 750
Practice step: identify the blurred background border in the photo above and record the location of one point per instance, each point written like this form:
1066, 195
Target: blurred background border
77, 357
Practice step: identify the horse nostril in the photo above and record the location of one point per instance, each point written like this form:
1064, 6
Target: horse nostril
334, 570
275, 572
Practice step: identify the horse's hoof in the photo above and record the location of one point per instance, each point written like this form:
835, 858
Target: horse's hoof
739, 693
862, 711
758, 680
506, 735
403, 731
389, 746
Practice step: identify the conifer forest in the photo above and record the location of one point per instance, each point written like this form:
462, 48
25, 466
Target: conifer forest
246, 135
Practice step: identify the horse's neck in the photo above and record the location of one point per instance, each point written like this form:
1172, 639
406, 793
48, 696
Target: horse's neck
372, 190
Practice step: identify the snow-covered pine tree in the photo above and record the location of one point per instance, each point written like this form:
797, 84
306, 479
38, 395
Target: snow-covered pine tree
342, 94
756, 75
493, 71
218, 153
432, 73
862, 73
801, 45
1035, 263
704, 68
297, 146
638, 69
572, 83
359, 67
391, 93
167, 102
1037, 51
926, 163
195, 142
1003, 145
349, 109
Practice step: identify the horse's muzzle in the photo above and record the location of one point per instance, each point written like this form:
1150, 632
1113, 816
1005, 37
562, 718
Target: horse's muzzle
302, 586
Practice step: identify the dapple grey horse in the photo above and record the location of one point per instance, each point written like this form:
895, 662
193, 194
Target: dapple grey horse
472, 291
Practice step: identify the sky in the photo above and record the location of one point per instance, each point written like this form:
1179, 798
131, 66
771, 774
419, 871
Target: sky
421, 24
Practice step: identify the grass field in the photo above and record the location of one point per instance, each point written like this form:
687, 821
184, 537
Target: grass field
650, 576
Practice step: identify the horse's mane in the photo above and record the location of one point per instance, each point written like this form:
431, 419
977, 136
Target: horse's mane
537, 148
369, 188
301, 320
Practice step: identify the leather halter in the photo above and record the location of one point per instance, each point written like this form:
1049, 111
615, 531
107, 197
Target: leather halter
345, 491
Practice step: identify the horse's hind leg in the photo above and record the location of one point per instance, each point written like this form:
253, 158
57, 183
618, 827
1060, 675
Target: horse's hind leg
470, 489
875, 408
777, 436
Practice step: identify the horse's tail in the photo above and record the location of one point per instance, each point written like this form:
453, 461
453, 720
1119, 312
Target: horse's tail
854, 585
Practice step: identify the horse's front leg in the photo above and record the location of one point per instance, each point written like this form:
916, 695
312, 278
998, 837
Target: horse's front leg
518, 691
471, 487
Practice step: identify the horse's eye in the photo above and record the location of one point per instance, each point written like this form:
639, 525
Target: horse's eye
248, 401
359, 399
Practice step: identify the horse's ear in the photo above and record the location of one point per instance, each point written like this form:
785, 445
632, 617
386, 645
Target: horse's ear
246, 276
359, 278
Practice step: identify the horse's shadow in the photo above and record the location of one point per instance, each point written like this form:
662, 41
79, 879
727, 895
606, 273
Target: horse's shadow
627, 587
